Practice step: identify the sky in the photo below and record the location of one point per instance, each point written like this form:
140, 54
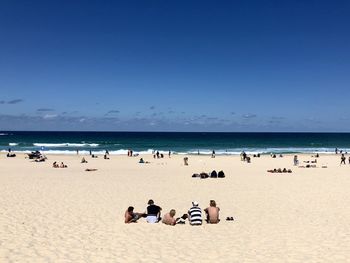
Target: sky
228, 66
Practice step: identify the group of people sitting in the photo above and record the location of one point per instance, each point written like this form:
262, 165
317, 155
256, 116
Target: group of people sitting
194, 215
279, 170
213, 174
56, 165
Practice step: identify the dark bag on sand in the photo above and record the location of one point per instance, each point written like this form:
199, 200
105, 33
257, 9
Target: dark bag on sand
221, 174
204, 175
214, 174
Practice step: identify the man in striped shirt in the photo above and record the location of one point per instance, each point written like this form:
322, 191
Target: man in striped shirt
195, 214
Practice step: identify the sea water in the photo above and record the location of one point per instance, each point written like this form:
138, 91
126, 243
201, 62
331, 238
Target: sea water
176, 142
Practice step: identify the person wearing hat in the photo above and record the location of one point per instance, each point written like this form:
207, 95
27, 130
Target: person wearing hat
153, 212
195, 214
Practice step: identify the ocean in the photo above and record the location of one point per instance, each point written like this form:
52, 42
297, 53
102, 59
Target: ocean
177, 142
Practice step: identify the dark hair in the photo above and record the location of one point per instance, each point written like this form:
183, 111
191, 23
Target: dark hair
150, 202
130, 208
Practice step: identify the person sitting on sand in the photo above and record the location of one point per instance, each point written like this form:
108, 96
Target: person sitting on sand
55, 165
41, 159
195, 214
169, 219
105, 157
212, 213
62, 165
153, 212
182, 219
131, 216
83, 160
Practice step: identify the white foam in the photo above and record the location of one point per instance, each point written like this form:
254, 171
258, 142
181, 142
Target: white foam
13, 144
3, 134
65, 144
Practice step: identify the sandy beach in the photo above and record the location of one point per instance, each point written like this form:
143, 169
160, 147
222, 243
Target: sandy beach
70, 215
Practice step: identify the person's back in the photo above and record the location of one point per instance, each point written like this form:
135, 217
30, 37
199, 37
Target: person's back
212, 213
169, 219
195, 214
153, 212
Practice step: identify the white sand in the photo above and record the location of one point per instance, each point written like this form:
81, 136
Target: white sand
69, 215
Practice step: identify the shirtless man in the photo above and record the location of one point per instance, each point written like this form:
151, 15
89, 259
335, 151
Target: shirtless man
130, 216
169, 219
212, 213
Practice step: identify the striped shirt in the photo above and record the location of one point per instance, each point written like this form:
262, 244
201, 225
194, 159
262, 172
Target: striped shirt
195, 214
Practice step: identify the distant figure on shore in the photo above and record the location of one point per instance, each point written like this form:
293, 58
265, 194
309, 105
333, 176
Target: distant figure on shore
106, 157
153, 212
212, 213
9, 154
142, 161
295, 160
62, 165
195, 214
157, 154
169, 218
90, 152
342, 159
83, 160
336, 150
131, 216
243, 156
169, 154
213, 154
77, 152
186, 161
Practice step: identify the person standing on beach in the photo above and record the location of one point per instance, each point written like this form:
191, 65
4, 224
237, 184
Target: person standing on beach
195, 214
213, 154
342, 159
296, 161
153, 212
212, 213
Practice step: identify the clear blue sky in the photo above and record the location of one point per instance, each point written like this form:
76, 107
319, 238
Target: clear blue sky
175, 65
